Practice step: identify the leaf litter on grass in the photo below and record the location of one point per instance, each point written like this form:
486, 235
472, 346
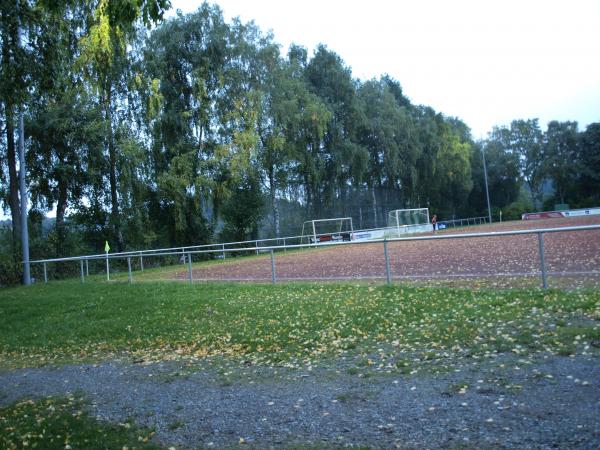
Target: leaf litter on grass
391, 328
64, 424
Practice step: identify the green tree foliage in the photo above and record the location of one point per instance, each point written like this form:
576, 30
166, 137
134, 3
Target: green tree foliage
588, 188
453, 172
65, 125
194, 129
524, 139
104, 61
444, 163
503, 176
341, 160
283, 96
390, 146
243, 210
201, 111
16, 61
560, 156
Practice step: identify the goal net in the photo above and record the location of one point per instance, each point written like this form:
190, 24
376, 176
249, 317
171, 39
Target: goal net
327, 230
399, 218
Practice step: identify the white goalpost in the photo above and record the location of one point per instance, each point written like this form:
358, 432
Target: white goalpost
327, 230
406, 220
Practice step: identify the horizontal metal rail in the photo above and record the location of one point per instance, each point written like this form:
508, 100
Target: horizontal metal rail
187, 252
413, 238
191, 250
222, 247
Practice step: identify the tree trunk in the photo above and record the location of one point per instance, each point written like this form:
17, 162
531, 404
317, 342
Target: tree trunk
360, 223
562, 196
374, 197
61, 209
275, 206
533, 193
13, 179
307, 185
11, 155
112, 158
308, 196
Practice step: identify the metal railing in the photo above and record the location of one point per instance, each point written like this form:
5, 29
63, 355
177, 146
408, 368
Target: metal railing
224, 248
188, 252
457, 223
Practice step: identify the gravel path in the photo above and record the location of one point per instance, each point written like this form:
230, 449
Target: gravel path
505, 402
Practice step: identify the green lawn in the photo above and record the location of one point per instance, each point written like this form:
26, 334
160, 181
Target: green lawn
63, 423
293, 324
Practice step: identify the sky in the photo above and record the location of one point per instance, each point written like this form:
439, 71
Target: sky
486, 62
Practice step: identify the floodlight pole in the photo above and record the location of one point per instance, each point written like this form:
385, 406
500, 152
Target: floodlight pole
487, 191
23, 189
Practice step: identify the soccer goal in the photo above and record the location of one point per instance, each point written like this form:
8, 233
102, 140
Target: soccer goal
405, 219
327, 230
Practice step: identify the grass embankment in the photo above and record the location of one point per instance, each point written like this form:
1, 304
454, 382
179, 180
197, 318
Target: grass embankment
294, 325
388, 329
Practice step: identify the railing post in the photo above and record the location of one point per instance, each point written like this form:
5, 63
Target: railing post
273, 275
45, 274
388, 274
542, 260
256, 243
284, 249
129, 269
82, 274
141, 262
87, 268
223, 249
107, 269
191, 276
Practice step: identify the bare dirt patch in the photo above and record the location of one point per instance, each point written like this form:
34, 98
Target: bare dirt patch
572, 259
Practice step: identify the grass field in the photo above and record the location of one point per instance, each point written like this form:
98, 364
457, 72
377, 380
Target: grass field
384, 330
63, 423
288, 324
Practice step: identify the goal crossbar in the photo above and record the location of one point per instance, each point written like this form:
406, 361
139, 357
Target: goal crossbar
312, 231
411, 216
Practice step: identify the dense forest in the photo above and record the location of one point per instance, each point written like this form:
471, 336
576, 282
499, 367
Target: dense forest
148, 132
